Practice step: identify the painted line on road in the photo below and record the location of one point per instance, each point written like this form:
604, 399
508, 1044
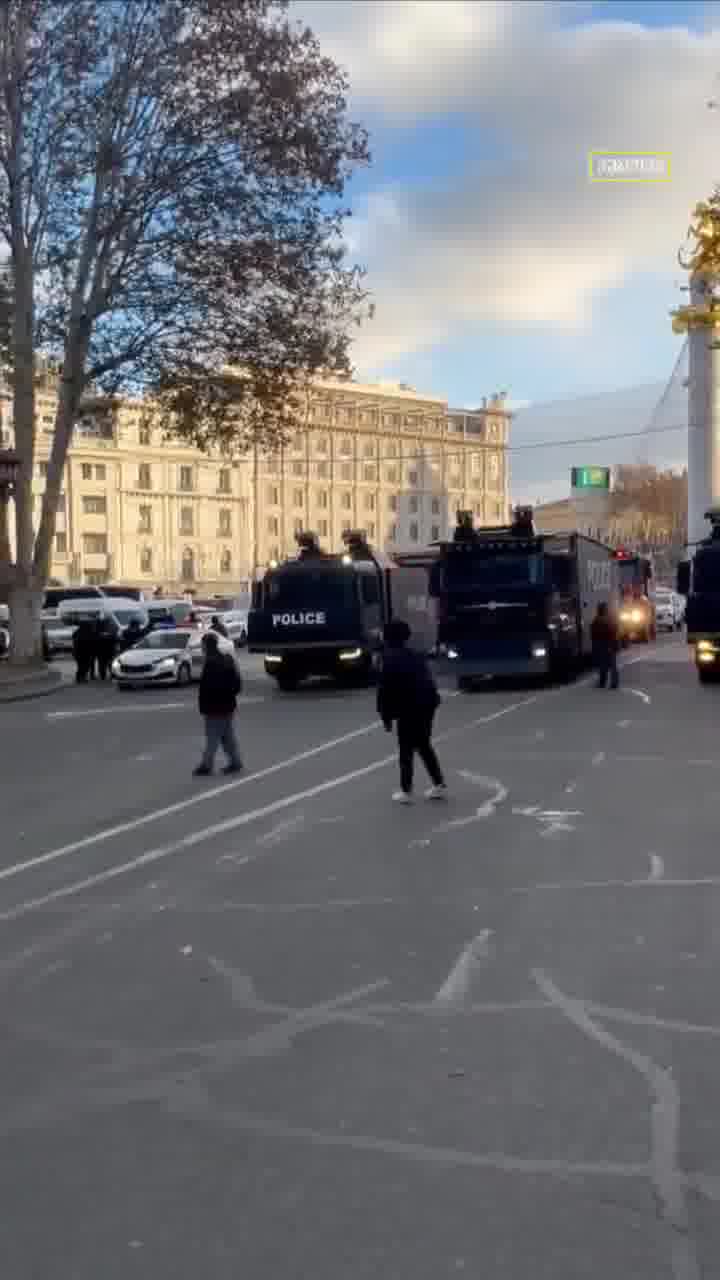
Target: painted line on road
657, 867
456, 987
149, 706
156, 814
215, 829
640, 693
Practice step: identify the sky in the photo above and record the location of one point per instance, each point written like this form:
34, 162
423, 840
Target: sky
493, 262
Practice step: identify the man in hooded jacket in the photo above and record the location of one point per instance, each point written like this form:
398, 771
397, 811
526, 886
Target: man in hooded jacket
220, 684
408, 696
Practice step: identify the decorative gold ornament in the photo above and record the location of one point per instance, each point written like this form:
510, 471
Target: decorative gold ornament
704, 258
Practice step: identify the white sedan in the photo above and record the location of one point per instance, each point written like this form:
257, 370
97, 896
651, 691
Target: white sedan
164, 657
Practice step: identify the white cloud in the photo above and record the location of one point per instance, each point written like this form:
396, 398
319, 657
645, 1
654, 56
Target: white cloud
531, 244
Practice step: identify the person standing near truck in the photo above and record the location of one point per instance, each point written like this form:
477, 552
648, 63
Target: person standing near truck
408, 696
605, 645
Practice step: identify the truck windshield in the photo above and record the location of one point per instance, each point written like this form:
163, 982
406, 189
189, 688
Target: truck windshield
311, 589
478, 570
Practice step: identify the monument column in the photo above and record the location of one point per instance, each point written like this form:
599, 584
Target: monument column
700, 320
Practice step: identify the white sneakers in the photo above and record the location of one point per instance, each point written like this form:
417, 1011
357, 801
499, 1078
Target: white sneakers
439, 792
433, 793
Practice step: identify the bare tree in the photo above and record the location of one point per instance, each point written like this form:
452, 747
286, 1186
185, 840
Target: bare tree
171, 182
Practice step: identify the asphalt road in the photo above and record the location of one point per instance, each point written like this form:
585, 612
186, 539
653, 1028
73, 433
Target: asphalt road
275, 1027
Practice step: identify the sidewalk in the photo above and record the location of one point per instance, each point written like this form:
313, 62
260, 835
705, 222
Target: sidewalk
17, 685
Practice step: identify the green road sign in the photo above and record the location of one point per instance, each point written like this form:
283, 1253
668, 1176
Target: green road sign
590, 478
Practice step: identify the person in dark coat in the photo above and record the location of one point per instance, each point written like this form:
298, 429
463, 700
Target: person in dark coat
133, 633
407, 696
106, 637
83, 646
605, 645
220, 685
218, 625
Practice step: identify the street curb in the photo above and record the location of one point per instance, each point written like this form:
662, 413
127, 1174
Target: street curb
27, 687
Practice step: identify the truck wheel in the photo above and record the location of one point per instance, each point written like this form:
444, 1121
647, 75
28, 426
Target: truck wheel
288, 684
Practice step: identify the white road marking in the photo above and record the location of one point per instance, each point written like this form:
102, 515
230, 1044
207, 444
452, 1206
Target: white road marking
571, 786
526, 811
156, 814
186, 951
640, 693
708, 882
109, 711
206, 833
657, 867
133, 824
458, 983
485, 810
668, 1180
598, 758
282, 830
623, 724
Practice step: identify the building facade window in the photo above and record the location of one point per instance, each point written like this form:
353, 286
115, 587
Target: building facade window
61, 543
456, 480
322, 499
435, 533
95, 544
187, 524
346, 501
273, 496
144, 434
322, 445
346, 471
93, 505
226, 561
146, 560
369, 449
413, 505
144, 479
187, 568
414, 531
85, 470
412, 477
475, 464
224, 481
322, 528
392, 502
273, 526
346, 447
369, 501
436, 506
101, 471
273, 463
225, 523
371, 530
321, 469
391, 475
298, 498
297, 525
369, 472
186, 479
145, 520
298, 468
392, 533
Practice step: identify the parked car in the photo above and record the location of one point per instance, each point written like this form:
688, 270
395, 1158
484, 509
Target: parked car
164, 656
235, 622
4, 631
668, 610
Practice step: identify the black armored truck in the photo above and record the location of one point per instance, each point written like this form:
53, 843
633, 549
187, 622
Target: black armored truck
323, 614
515, 602
699, 580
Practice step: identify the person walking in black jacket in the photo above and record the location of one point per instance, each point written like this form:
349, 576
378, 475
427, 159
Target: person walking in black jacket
408, 696
605, 645
220, 685
83, 647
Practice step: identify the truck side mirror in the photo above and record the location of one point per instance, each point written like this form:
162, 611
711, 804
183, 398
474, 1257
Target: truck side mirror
683, 578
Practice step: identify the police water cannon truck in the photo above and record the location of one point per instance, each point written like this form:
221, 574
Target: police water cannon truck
699, 580
322, 614
515, 602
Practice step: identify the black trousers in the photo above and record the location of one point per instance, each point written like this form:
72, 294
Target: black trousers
414, 735
83, 661
607, 666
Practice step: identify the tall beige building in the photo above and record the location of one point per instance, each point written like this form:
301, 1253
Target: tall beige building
141, 510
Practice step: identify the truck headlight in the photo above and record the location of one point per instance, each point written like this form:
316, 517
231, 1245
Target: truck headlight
350, 655
453, 653
539, 652
636, 616
706, 645
273, 657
